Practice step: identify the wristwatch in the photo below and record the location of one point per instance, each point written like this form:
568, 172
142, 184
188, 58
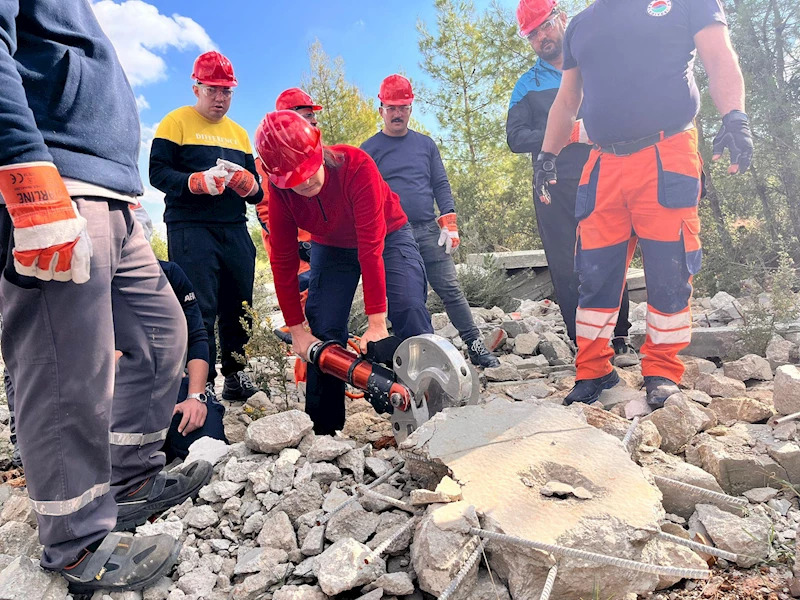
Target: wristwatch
200, 396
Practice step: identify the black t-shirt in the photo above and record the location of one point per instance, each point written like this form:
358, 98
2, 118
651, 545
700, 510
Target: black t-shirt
637, 61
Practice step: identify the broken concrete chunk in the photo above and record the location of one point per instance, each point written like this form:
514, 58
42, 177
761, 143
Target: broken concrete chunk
299, 592
732, 410
342, 567
750, 366
719, 386
748, 538
325, 448
449, 488
760, 495
25, 580
352, 522
556, 488
277, 532
274, 433
787, 390
504, 372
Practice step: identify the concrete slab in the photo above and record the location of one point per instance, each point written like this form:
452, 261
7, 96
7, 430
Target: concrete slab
502, 454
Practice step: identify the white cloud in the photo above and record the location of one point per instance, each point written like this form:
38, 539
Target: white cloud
142, 103
140, 33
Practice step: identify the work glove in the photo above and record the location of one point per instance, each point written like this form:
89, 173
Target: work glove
448, 235
237, 178
579, 135
50, 238
735, 136
382, 351
544, 174
211, 182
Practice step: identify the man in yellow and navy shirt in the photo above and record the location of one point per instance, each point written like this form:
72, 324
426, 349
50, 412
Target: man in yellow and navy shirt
204, 163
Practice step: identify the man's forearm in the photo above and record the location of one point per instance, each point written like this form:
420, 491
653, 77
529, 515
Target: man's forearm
198, 374
559, 127
726, 85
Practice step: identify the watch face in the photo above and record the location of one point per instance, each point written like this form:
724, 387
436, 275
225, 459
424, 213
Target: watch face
201, 397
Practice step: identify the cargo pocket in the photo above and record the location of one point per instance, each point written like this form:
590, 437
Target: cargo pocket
679, 171
690, 234
587, 190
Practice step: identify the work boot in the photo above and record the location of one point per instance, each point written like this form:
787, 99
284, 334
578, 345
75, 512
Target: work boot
659, 389
480, 356
238, 387
121, 562
157, 494
589, 390
624, 354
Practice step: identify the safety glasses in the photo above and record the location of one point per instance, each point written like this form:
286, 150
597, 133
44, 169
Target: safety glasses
544, 28
211, 91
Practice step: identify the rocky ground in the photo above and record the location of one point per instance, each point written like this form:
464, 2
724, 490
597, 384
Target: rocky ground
267, 527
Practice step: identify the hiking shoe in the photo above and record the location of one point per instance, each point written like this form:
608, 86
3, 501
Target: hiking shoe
159, 493
624, 354
480, 356
589, 390
238, 387
122, 562
211, 391
659, 389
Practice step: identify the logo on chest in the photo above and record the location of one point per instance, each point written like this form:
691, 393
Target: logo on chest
659, 8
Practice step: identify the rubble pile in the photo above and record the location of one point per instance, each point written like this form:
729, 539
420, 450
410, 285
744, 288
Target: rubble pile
286, 515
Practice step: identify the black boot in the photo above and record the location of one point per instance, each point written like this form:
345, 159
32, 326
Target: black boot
480, 356
159, 493
659, 389
589, 390
238, 387
624, 354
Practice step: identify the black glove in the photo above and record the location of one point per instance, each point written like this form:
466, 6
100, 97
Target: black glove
735, 136
382, 351
544, 172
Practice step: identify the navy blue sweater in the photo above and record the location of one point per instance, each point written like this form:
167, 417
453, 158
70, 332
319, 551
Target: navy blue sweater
412, 166
65, 97
198, 336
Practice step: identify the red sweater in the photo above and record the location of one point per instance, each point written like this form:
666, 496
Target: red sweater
354, 209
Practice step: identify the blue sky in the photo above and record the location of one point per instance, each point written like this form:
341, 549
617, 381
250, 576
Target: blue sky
267, 43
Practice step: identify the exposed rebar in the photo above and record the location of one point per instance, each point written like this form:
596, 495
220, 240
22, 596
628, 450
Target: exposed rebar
362, 489
549, 582
699, 491
629, 434
787, 418
699, 547
462, 572
325, 518
622, 563
384, 545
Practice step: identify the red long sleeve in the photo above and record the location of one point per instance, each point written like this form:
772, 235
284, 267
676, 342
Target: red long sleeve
354, 209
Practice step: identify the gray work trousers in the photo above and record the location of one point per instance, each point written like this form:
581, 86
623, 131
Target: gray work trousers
86, 437
442, 276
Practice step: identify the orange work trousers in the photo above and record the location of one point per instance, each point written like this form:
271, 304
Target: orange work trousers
649, 197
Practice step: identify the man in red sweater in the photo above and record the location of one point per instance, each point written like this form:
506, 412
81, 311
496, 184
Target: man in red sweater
357, 229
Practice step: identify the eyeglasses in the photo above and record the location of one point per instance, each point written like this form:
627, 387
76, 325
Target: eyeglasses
210, 91
545, 27
399, 109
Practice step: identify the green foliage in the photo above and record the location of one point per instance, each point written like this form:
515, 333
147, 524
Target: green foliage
264, 352
485, 286
159, 246
763, 319
348, 117
262, 260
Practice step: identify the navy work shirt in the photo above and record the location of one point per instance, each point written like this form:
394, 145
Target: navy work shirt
412, 166
637, 61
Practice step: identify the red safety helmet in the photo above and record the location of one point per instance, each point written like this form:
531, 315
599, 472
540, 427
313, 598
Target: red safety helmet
289, 147
396, 91
295, 98
532, 13
212, 68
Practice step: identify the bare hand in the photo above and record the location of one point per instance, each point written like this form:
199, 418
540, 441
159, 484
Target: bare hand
302, 341
194, 415
373, 333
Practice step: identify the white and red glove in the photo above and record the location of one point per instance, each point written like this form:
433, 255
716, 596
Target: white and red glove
50, 238
237, 178
211, 182
579, 135
448, 236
